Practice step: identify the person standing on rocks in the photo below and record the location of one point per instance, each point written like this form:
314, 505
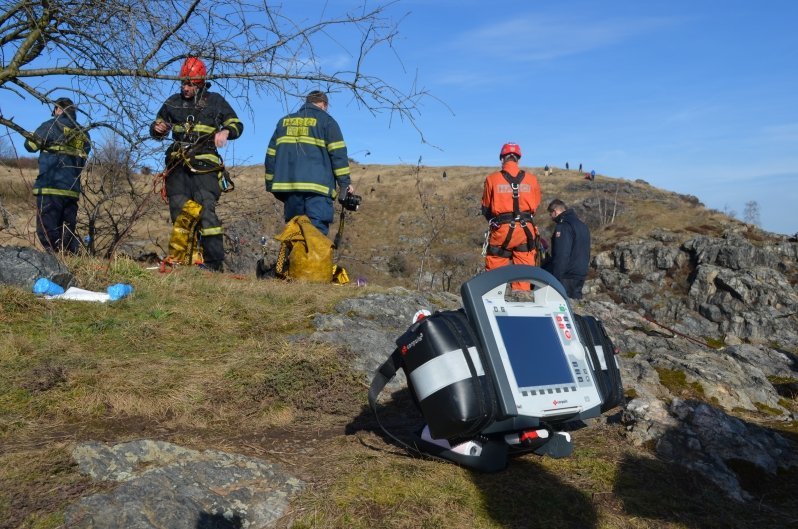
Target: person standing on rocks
64, 146
509, 200
570, 249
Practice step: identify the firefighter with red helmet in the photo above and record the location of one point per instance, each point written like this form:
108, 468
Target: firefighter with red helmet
509, 201
201, 122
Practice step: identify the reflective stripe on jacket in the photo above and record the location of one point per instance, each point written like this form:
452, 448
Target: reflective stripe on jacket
307, 153
195, 121
497, 195
64, 147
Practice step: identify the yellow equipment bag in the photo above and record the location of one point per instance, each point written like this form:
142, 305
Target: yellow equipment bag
305, 252
183, 242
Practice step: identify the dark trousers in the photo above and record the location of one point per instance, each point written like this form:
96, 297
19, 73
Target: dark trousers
573, 287
182, 185
318, 208
56, 220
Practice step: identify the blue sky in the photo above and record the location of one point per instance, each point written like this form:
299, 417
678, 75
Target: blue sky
694, 96
698, 97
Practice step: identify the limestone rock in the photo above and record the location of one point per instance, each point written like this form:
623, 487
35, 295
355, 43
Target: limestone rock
22, 266
164, 486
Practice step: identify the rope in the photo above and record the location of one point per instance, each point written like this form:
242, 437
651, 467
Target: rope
180, 156
694, 340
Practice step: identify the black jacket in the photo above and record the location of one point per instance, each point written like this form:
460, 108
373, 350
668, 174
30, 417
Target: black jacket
570, 247
195, 121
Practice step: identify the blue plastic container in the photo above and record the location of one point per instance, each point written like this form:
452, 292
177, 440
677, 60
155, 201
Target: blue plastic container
119, 291
47, 287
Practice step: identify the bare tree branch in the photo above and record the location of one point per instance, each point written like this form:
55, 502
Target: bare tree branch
111, 57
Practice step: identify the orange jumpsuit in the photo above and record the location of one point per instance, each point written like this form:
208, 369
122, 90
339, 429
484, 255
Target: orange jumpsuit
497, 200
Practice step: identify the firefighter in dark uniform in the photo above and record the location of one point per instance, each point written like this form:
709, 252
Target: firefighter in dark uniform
64, 146
306, 161
570, 249
201, 122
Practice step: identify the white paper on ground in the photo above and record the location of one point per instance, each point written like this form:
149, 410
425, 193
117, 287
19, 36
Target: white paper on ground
78, 294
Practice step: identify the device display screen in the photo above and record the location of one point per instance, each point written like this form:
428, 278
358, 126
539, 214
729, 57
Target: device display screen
534, 351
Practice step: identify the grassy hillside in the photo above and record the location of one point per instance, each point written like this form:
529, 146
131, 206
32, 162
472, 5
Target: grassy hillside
418, 226
223, 361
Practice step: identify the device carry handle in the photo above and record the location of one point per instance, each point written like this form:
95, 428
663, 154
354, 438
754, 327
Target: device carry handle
473, 289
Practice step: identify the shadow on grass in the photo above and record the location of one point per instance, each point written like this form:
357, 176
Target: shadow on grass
399, 416
523, 495
527, 495
653, 489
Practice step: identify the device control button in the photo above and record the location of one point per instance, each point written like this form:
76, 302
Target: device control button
568, 334
580, 379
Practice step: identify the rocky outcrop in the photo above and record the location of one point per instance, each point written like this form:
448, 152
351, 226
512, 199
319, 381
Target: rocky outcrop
725, 288
711, 443
22, 266
715, 317
368, 326
165, 486
722, 313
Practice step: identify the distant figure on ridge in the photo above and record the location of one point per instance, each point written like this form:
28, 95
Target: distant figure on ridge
306, 161
570, 249
509, 200
64, 146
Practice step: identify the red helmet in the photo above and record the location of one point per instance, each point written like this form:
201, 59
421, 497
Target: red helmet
193, 71
510, 148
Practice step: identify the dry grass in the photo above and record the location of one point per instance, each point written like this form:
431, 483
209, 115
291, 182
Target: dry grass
415, 228
211, 361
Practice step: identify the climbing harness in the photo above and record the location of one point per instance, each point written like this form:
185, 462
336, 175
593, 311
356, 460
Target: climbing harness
523, 218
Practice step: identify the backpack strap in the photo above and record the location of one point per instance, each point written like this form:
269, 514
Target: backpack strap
515, 184
384, 375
